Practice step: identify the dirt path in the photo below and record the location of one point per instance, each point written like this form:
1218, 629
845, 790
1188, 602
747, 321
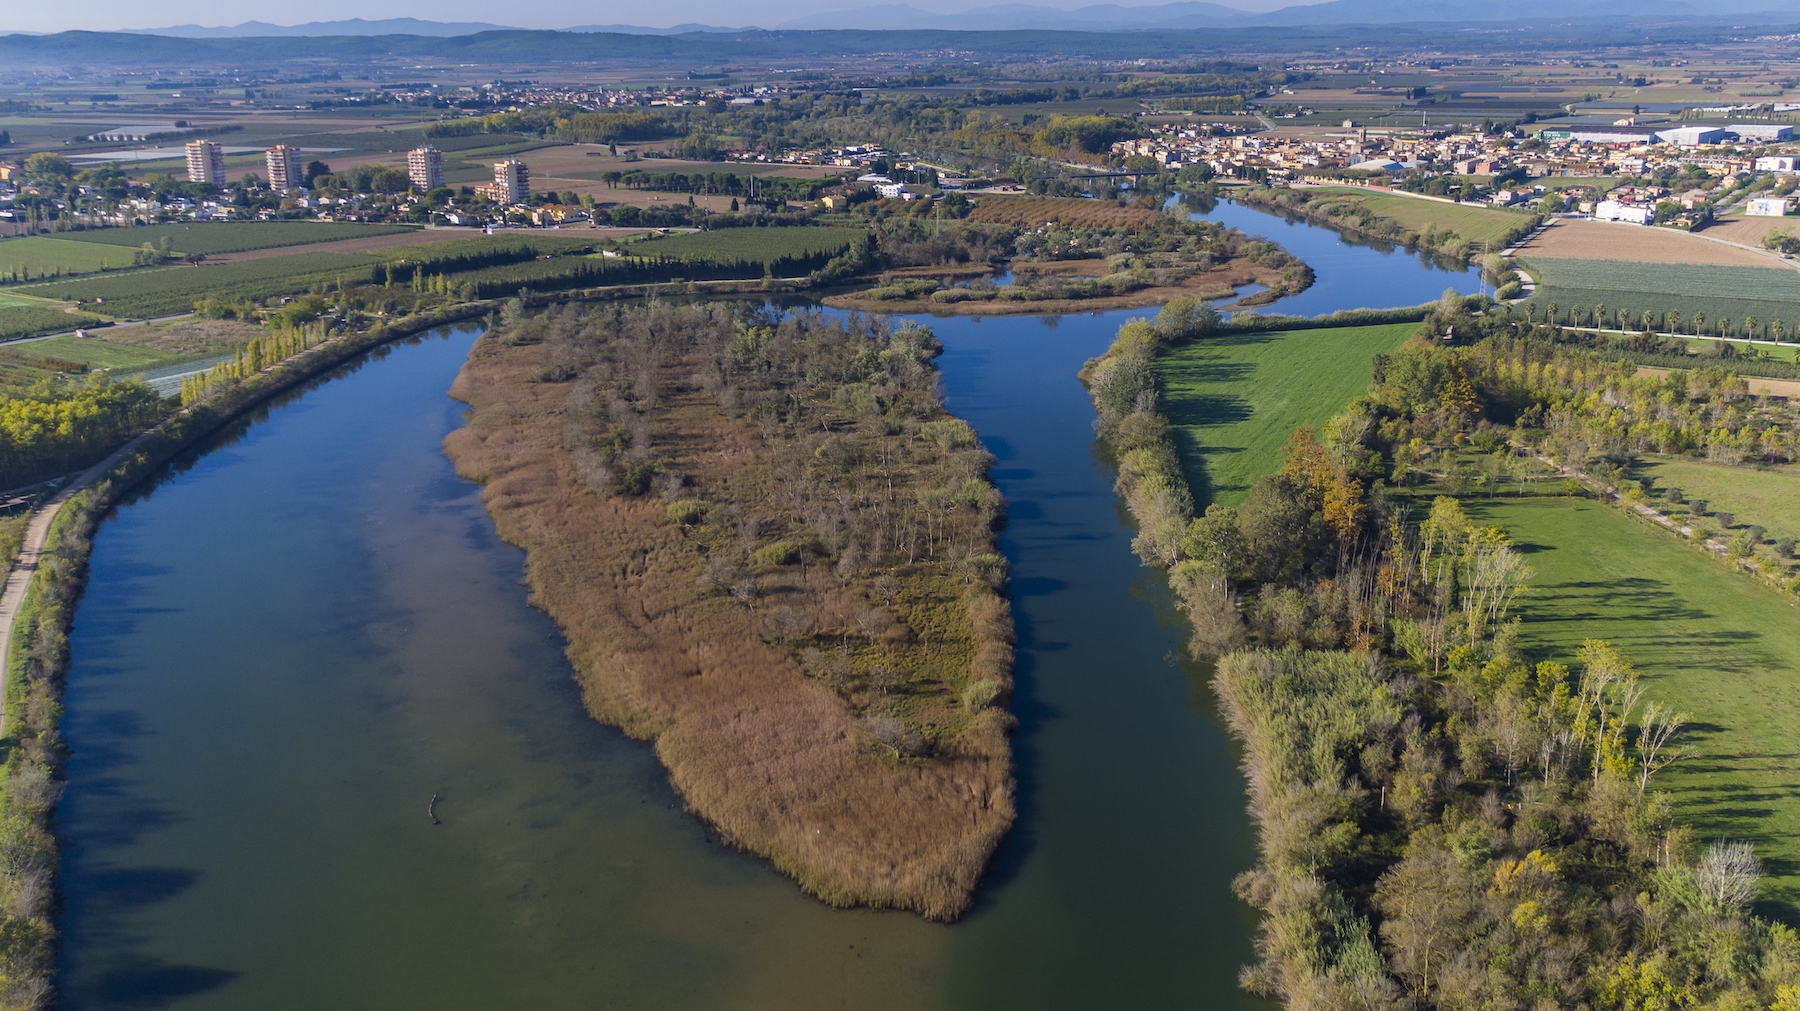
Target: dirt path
12, 597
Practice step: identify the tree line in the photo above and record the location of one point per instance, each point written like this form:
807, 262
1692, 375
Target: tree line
1442, 823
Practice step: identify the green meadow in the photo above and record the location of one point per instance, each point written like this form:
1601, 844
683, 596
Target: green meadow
40, 255
1709, 641
1233, 399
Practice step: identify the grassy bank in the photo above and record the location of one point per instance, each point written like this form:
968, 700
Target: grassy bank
771, 553
1232, 400
1447, 229
1707, 641
1767, 496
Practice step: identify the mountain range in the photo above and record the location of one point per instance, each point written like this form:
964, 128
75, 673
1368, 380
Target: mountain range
1183, 14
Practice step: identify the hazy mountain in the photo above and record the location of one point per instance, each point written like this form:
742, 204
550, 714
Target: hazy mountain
641, 30
1014, 16
354, 26
1189, 14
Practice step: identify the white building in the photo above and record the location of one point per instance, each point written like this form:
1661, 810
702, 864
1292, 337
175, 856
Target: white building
1777, 163
1769, 207
1692, 136
1762, 131
891, 191
1612, 210
205, 162
285, 171
425, 167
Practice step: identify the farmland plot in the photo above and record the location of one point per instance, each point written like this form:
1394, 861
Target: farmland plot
759, 245
1062, 210
212, 237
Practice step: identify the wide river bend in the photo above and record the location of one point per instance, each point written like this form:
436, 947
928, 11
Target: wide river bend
303, 630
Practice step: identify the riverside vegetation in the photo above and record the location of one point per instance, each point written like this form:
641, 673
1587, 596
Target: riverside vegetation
1066, 255
1442, 824
772, 553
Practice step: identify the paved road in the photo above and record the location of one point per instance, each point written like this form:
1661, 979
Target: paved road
97, 331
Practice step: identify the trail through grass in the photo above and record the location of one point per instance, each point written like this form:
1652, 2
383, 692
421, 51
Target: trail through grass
1708, 641
1234, 399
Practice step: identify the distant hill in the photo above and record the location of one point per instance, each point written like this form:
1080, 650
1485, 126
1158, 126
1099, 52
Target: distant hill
1191, 14
354, 26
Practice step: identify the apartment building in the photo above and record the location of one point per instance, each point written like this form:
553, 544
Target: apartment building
205, 162
425, 167
286, 173
512, 182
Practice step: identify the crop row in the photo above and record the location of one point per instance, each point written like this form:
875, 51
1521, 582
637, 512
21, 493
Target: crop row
215, 237
1679, 280
761, 245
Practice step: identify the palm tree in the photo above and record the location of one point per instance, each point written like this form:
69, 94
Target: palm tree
1775, 330
1699, 323
1750, 327
1552, 317
1672, 319
1649, 321
1599, 314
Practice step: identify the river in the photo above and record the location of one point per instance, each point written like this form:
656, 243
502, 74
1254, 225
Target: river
303, 630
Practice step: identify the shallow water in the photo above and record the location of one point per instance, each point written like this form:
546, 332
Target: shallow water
304, 630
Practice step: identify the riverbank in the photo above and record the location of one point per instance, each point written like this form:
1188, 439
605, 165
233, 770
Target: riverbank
788, 585
1220, 283
1456, 231
43, 584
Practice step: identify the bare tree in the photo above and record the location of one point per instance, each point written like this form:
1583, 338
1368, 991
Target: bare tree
1657, 729
1727, 875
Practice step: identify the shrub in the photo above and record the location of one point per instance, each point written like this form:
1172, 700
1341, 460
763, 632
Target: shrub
636, 480
778, 553
1673, 495
686, 512
980, 694
1726, 519
1785, 547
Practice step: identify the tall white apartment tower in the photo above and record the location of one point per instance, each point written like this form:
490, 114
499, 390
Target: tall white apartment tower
512, 181
425, 167
285, 171
206, 162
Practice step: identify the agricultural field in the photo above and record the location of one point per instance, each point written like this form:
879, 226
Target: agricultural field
1605, 240
1769, 497
1234, 398
1062, 210
755, 244
29, 317
1417, 214
95, 353
164, 291
1721, 293
210, 237
1708, 641
37, 256
1749, 231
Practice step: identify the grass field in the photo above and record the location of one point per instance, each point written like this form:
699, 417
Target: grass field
98, 353
1708, 641
756, 244
1476, 224
1235, 399
163, 291
1767, 497
38, 255
212, 237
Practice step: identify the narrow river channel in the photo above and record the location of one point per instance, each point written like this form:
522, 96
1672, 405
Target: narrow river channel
299, 634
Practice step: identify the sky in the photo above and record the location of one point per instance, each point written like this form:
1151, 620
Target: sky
104, 15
